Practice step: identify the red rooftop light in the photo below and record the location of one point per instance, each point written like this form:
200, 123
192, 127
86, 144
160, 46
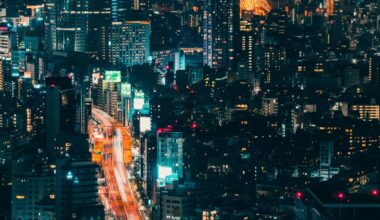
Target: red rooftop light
374, 192
298, 195
340, 195
194, 125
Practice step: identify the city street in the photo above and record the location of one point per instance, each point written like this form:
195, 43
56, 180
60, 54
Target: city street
118, 193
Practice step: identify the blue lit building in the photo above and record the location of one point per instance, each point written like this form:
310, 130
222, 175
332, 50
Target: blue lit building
129, 43
169, 157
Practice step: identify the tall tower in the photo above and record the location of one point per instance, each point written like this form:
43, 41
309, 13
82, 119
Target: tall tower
220, 28
374, 69
60, 109
67, 25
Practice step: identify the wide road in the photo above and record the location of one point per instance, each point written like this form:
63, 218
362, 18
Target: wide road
120, 193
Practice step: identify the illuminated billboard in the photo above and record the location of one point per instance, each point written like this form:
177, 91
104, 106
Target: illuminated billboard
113, 76
145, 124
126, 89
166, 176
138, 101
163, 172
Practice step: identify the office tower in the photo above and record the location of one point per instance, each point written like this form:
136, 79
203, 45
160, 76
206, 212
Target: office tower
98, 28
336, 29
120, 8
77, 25
7, 145
76, 190
367, 111
269, 106
130, 43
351, 77
85, 113
148, 162
374, 69
169, 156
33, 195
14, 8
166, 31
109, 98
274, 62
326, 152
192, 27
220, 28
246, 65
8, 41
161, 110
276, 22
175, 206
5, 73
60, 109
31, 69
67, 25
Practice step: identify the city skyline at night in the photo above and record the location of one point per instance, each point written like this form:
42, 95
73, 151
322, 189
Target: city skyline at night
189, 109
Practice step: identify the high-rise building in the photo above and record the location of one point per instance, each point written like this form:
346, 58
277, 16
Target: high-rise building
326, 150
270, 106
220, 29
14, 7
60, 108
276, 22
5, 72
130, 43
336, 29
148, 162
351, 77
85, 113
246, 65
110, 98
175, 206
119, 9
76, 190
8, 41
169, 156
33, 196
374, 69
367, 111
274, 61
77, 25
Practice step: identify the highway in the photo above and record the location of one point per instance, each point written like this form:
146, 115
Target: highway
117, 193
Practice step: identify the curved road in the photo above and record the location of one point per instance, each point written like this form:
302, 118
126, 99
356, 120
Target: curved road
120, 192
